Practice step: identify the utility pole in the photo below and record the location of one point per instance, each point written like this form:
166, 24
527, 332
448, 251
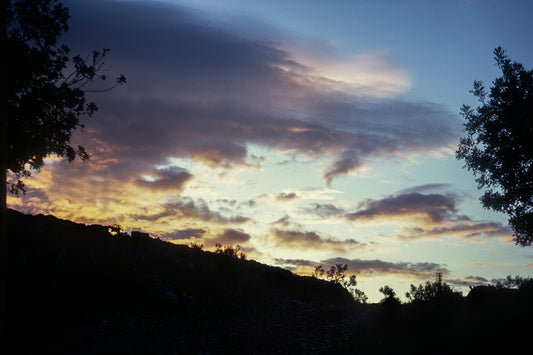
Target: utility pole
438, 276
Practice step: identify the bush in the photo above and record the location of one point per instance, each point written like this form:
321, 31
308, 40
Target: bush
231, 251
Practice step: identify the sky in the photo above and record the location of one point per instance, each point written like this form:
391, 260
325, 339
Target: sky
308, 132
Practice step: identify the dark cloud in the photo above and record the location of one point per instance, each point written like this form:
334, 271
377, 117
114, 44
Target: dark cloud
283, 221
469, 281
168, 179
421, 270
282, 196
431, 215
325, 210
233, 236
464, 229
348, 161
187, 209
186, 234
370, 268
433, 207
301, 240
204, 92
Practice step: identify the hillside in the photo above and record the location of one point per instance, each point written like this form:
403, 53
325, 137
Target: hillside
77, 289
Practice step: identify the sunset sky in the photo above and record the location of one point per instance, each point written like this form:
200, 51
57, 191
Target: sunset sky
309, 132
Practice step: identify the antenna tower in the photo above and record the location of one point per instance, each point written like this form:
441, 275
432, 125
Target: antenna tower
438, 276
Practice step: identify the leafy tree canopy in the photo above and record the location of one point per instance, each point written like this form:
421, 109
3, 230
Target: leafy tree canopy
46, 86
498, 147
390, 295
436, 291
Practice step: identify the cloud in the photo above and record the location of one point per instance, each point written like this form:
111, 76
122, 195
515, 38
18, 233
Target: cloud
469, 281
282, 196
425, 188
186, 234
464, 229
350, 160
168, 179
233, 236
372, 73
371, 268
433, 208
326, 210
186, 208
283, 221
292, 239
420, 270
202, 91
426, 215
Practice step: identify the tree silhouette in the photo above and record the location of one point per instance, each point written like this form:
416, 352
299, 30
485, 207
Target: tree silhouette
498, 147
390, 295
432, 291
46, 87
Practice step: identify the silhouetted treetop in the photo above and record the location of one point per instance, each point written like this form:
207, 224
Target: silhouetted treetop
46, 86
498, 147
432, 291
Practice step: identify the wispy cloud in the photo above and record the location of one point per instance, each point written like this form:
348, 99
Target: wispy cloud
325, 210
305, 240
464, 229
420, 270
185, 234
373, 267
284, 196
433, 208
186, 208
426, 215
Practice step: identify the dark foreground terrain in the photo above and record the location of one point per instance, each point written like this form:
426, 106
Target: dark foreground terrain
77, 289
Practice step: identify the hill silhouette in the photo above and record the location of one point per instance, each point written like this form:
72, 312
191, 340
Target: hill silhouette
78, 289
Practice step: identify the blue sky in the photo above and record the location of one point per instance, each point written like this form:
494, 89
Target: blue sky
309, 132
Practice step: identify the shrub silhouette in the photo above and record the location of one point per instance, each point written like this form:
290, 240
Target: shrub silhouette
195, 246
230, 251
337, 274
